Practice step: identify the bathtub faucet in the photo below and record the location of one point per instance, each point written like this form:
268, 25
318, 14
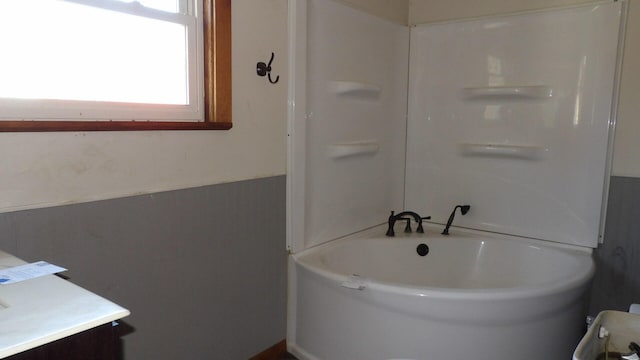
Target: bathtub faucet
401, 216
463, 210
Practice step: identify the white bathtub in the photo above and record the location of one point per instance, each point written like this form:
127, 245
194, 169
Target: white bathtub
474, 296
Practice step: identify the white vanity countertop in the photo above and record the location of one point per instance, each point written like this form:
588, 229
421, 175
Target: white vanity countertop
38, 311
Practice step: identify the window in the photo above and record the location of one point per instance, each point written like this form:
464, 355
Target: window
166, 65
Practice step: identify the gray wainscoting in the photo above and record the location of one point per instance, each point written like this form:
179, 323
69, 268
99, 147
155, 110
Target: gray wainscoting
202, 270
617, 280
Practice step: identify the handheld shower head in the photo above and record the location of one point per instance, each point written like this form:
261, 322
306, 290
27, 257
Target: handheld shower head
463, 210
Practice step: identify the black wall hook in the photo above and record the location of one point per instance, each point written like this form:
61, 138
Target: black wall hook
265, 69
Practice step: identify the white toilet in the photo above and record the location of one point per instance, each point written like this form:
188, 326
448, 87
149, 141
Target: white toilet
611, 331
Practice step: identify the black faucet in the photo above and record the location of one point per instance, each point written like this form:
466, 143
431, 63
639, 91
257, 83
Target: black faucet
463, 210
401, 216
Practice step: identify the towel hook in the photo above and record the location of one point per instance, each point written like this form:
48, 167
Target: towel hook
265, 69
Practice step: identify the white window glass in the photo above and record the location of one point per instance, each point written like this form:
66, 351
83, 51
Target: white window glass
84, 59
172, 6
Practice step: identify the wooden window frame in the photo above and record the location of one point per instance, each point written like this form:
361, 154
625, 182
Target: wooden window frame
217, 86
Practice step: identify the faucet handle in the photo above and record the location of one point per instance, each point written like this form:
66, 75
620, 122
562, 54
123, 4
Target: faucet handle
407, 227
392, 221
420, 229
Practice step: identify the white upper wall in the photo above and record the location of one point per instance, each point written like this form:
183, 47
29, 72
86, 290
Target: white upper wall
42, 169
394, 10
46, 169
627, 145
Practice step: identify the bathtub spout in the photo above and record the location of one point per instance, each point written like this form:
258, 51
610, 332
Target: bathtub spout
417, 218
463, 210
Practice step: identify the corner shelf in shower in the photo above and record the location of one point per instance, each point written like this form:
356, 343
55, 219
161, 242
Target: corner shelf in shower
526, 152
350, 149
508, 92
356, 88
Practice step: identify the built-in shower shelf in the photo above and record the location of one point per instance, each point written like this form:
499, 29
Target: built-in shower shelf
356, 148
354, 88
530, 92
527, 152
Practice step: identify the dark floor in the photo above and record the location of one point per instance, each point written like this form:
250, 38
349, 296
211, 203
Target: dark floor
287, 356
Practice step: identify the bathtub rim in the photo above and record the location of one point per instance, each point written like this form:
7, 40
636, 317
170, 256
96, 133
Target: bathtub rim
574, 281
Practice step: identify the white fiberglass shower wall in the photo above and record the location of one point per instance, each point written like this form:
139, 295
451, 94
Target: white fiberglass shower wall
514, 115
347, 136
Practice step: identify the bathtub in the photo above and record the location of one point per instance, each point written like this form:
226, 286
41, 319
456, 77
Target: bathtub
475, 295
